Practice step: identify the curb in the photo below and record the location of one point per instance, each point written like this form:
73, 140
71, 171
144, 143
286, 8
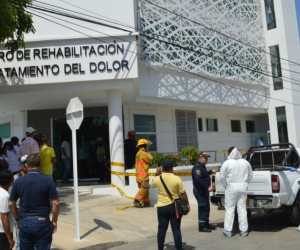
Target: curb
104, 246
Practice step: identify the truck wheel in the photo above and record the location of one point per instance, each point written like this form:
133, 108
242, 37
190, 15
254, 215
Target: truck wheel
294, 212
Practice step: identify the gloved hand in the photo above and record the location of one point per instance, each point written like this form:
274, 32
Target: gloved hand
292, 169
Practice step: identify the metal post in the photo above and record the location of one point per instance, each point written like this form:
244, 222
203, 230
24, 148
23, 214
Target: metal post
75, 179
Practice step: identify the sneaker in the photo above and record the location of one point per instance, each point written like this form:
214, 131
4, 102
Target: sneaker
298, 229
227, 234
244, 234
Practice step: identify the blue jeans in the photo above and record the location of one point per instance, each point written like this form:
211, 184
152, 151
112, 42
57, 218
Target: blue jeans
35, 231
67, 165
203, 207
165, 215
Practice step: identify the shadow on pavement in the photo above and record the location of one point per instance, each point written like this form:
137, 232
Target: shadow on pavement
272, 222
262, 222
169, 246
99, 224
64, 208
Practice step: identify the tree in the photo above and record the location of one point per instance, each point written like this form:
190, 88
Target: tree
15, 21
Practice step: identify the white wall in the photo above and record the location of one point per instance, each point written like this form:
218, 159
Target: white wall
165, 125
167, 83
18, 121
286, 36
211, 141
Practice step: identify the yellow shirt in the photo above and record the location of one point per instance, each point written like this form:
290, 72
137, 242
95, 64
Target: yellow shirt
174, 184
46, 155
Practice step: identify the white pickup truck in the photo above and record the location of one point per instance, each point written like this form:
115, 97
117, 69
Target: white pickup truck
275, 183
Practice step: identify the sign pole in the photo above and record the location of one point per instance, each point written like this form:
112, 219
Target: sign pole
75, 176
74, 117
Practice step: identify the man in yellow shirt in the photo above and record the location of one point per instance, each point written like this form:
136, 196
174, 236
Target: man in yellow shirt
165, 206
47, 156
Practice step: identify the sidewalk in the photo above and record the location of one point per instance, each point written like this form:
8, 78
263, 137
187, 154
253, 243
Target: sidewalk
103, 226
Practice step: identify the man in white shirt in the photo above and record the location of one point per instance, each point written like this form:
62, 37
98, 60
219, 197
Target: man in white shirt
7, 220
66, 157
260, 141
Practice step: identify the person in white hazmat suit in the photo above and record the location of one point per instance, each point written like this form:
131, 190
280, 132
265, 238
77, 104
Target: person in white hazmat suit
235, 175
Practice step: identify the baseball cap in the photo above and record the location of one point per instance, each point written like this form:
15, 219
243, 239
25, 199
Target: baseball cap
203, 154
167, 164
23, 158
30, 130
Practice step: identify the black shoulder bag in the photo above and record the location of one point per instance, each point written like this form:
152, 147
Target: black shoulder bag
180, 204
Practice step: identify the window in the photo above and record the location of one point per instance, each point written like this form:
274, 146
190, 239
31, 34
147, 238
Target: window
211, 125
270, 14
144, 126
276, 67
200, 127
5, 131
236, 126
186, 125
282, 125
250, 126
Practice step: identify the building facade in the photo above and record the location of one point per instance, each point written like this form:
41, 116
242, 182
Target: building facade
179, 73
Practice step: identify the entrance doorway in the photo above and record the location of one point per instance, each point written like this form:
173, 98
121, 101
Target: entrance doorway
91, 128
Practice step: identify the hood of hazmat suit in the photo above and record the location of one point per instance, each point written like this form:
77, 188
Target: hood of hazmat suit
236, 172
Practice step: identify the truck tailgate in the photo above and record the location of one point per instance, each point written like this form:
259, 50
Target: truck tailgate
259, 185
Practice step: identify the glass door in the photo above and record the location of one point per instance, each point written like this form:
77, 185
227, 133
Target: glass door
90, 129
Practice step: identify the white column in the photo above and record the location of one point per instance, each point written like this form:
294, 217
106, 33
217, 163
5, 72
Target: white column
116, 139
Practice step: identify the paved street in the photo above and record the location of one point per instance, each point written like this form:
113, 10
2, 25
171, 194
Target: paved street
267, 231
103, 226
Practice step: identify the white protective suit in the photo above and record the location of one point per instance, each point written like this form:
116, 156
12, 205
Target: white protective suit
235, 175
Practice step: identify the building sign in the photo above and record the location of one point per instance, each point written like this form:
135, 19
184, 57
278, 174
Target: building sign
82, 60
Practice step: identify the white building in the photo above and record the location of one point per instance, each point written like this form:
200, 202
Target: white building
190, 73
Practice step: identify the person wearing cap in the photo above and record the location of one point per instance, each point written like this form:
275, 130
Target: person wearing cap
235, 174
202, 187
166, 212
102, 156
66, 158
142, 161
29, 146
130, 150
34, 191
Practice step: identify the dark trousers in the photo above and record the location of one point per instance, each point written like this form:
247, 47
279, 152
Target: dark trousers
165, 215
129, 164
4, 244
203, 207
35, 231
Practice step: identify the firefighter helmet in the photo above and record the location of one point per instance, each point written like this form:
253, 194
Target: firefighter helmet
142, 142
